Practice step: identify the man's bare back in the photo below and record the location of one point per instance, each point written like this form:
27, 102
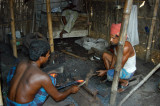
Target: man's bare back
28, 79
26, 82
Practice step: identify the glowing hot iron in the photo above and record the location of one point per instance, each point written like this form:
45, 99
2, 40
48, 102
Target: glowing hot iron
53, 75
71, 83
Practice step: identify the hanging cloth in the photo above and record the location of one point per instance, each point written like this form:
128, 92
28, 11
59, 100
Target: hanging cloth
132, 32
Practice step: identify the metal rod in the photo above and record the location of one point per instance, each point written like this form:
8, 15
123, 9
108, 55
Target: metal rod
151, 31
82, 84
68, 84
138, 85
126, 14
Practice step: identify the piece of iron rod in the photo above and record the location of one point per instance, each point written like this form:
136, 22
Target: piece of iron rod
68, 84
82, 84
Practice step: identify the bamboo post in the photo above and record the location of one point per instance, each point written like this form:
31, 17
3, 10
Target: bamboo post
1, 98
123, 32
151, 31
141, 83
34, 11
13, 29
50, 29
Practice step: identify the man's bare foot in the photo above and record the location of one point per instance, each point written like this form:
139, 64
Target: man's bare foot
125, 83
61, 35
120, 90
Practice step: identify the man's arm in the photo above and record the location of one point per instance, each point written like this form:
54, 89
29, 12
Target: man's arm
53, 92
114, 58
126, 53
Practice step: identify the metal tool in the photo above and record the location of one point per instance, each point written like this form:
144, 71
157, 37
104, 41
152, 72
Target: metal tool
82, 84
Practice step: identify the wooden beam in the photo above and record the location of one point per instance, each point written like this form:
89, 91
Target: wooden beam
50, 29
13, 29
151, 31
123, 32
138, 1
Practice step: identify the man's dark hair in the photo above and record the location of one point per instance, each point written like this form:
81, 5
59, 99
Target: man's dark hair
38, 48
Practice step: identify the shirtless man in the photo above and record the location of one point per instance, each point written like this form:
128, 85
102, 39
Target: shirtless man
128, 60
30, 85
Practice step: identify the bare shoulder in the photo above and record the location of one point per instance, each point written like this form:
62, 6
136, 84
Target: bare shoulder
44, 77
128, 48
128, 45
22, 66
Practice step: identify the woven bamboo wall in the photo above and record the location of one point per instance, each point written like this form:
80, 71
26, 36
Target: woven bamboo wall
23, 13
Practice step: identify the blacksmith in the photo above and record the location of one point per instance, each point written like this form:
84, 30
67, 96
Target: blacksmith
30, 85
128, 60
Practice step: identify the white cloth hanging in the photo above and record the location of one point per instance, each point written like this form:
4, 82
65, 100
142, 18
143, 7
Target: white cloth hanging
132, 32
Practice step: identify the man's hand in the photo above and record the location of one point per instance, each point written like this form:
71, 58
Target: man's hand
74, 89
101, 73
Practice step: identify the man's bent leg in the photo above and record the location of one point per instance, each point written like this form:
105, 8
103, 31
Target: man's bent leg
107, 58
71, 21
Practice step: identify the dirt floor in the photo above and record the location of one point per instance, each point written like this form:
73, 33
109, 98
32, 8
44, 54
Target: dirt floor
146, 95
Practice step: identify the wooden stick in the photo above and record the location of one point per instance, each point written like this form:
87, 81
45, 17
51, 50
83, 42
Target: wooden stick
138, 85
13, 29
1, 98
126, 14
71, 54
147, 18
151, 31
50, 29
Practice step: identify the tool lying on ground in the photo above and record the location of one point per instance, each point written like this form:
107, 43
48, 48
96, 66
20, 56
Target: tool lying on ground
71, 54
81, 82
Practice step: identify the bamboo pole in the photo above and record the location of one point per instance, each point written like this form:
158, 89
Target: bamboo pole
13, 29
34, 11
151, 31
1, 98
141, 83
123, 32
50, 29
